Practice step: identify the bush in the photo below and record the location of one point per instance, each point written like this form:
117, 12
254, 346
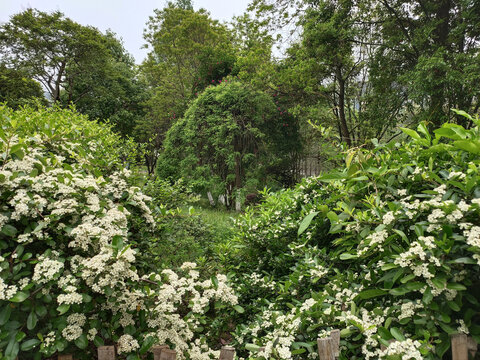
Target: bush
229, 141
69, 278
387, 248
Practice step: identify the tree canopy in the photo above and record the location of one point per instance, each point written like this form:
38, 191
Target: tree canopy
225, 140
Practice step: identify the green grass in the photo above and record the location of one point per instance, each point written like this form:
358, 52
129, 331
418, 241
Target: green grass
220, 220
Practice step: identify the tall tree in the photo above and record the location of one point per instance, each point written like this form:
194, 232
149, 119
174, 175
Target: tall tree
188, 50
430, 49
112, 92
328, 37
53, 49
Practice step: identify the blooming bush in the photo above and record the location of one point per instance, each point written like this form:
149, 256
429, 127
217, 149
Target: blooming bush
68, 272
387, 248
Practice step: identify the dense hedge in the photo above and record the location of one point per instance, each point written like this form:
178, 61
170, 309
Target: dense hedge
386, 248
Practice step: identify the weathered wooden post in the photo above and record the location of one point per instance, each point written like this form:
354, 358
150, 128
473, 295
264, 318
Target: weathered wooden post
65, 357
472, 347
459, 347
227, 353
157, 350
167, 354
335, 335
106, 352
326, 349
463, 346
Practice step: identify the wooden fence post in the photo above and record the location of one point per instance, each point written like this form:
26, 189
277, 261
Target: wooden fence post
459, 347
106, 353
326, 349
472, 347
167, 354
227, 353
335, 335
65, 357
463, 347
157, 350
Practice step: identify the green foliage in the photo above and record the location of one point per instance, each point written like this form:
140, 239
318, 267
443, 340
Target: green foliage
224, 141
76, 64
71, 226
53, 49
183, 44
386, 246
18, 89
111, 92
429, 54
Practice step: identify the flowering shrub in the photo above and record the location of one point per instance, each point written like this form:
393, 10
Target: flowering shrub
387, 248
68, 275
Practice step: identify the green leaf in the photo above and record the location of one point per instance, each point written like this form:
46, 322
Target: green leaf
82, 341
62, 309
147, 344
117, 242
306, 222
298, 351
412, 133
439, 283
252, 347
347, 256
98, 341
12, 349
427, 296
9, 230
5, 314
442, 348
448, 329
19, 297
463, 113
371, 293
471, 146
464, 260
20, 336
333, 217
453, 305
396, 333
332, 177
29, 344
239, 309
407, 278
389, 266
456, 286
31, 321
214, 282
399, 291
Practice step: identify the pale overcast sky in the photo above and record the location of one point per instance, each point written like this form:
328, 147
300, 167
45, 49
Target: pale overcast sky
127, 18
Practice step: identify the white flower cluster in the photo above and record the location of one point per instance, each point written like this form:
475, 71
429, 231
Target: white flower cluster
260, 281
47, 268
408, 349
126, 344
74, 328
407, 309
165, 320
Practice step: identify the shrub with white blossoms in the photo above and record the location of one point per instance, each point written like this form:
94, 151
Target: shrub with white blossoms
395, 238
68, 275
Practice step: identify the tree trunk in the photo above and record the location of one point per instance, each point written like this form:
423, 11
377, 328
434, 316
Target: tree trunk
437, 98
344, 133
238, 181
